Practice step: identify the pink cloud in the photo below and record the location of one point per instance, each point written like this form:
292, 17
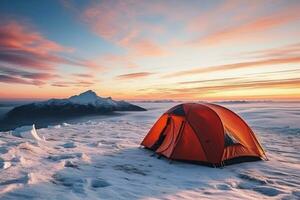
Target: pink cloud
20, 46
208, 18
147, 48
121, 22
105, 19
25, 53
16, 36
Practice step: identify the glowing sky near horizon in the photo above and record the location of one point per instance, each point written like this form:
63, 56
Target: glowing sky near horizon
188, 50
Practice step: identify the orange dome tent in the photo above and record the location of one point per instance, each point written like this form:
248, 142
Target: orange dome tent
203, 133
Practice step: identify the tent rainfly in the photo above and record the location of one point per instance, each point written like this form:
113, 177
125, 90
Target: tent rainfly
205, 133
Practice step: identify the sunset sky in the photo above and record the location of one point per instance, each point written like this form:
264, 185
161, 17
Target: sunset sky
134, 50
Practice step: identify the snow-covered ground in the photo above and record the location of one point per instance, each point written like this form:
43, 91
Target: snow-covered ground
101, 159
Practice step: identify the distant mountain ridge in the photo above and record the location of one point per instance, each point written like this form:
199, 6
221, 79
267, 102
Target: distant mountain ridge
86, 103
90, 98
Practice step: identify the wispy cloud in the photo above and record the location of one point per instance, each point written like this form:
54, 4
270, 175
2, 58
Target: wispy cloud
291, 50
241, 79
134, 75
10, 75
12, 79
83, 75
208, 81
72, 83
282, 83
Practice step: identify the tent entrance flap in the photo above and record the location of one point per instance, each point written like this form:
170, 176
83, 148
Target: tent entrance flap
229, 139
161, 138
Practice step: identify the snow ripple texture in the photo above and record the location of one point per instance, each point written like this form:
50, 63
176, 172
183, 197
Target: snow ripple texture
101, 159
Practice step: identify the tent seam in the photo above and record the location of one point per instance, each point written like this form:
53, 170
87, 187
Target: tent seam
222, 129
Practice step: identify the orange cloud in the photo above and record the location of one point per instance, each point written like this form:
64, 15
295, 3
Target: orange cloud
215, 91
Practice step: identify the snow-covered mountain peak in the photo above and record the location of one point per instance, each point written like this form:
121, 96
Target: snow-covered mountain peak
87, 100
88, 97
88, 93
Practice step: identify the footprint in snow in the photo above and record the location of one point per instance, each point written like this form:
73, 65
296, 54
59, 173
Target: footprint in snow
4, 164
70, 164
21, 180
69, 145
130, 169
99, 183
268, 191
253, 177
65, 156
223, 187
3, 150
257, 183
74, 182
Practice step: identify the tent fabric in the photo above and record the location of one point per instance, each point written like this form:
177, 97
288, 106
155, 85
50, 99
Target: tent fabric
204, 133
